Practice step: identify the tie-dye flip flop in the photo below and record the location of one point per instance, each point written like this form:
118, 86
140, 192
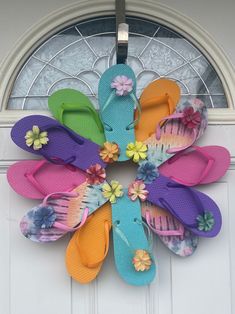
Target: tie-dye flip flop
118, 102
195, 210
61, 212
44, 136
170, 231
179, 131
36, 179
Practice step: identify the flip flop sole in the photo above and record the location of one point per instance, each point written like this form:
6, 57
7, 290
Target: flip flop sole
120, 112
64, 144
125, 216
185, 204
37, 225
152, 111
80, 122
91, 239
188, 166
182, 245
174, 134
50, 178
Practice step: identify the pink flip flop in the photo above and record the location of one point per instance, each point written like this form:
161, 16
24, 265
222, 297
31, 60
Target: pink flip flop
37, 178
197, 165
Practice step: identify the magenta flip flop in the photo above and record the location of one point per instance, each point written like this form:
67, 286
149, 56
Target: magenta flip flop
195, 210
58, 144
197, 165
36, 179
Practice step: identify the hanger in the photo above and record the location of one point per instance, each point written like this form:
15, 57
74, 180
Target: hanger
122, 31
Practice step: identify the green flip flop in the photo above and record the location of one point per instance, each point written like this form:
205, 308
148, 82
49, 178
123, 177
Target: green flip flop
74, 110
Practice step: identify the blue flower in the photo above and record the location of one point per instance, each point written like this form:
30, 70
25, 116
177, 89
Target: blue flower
205, 221
44, 217
147, 172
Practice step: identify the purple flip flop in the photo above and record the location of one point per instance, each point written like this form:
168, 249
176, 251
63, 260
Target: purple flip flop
194, 209
59, 145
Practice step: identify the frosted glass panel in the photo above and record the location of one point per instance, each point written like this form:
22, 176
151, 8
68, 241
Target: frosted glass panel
77, 56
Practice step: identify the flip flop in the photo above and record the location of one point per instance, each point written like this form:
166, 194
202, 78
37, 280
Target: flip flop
62, 145
74, 110
61, 212
170, 231
195, 210
179, 131
117, 100
36, 179
197, 165
158, 100
89, 246
130, 243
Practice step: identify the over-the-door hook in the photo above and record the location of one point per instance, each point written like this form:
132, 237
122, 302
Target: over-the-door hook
122, 31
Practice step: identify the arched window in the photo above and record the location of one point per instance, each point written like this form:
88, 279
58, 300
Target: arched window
76, 57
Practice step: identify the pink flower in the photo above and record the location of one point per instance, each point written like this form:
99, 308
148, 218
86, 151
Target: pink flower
191, 118
137, 189
122, 84
188, 251
95, 174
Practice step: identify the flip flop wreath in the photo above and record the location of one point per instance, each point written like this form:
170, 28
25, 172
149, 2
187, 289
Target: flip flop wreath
155, 132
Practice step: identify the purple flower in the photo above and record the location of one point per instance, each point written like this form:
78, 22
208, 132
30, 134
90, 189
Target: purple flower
147, 172
122, 84
44, 217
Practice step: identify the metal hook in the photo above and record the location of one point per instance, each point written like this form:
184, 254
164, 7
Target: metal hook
122, 31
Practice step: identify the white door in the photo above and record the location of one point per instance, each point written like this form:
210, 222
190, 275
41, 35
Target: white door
33, 277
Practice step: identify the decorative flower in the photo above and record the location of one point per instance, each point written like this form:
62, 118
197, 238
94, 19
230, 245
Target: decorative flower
137, 189
141, 260
191, 118
44, 217
96, 174
109, 152
36, 138
206, 221
147, 172
137, 151
112, 191
122, 84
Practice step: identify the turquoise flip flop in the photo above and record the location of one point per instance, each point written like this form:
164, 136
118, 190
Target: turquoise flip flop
74, 110
130, 243
117, 101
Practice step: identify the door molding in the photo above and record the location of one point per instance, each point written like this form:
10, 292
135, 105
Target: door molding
85, 9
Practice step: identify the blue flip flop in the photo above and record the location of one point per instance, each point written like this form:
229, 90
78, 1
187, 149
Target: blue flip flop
117, 101
129, 238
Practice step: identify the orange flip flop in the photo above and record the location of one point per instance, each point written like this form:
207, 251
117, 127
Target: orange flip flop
89, 246
158, 100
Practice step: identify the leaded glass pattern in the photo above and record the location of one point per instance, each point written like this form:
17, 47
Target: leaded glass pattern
77, 56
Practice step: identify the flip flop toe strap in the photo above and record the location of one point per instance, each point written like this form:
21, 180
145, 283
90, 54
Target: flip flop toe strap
66, 107
54, 159
32, 179
210, 162
137, 105
172, 232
